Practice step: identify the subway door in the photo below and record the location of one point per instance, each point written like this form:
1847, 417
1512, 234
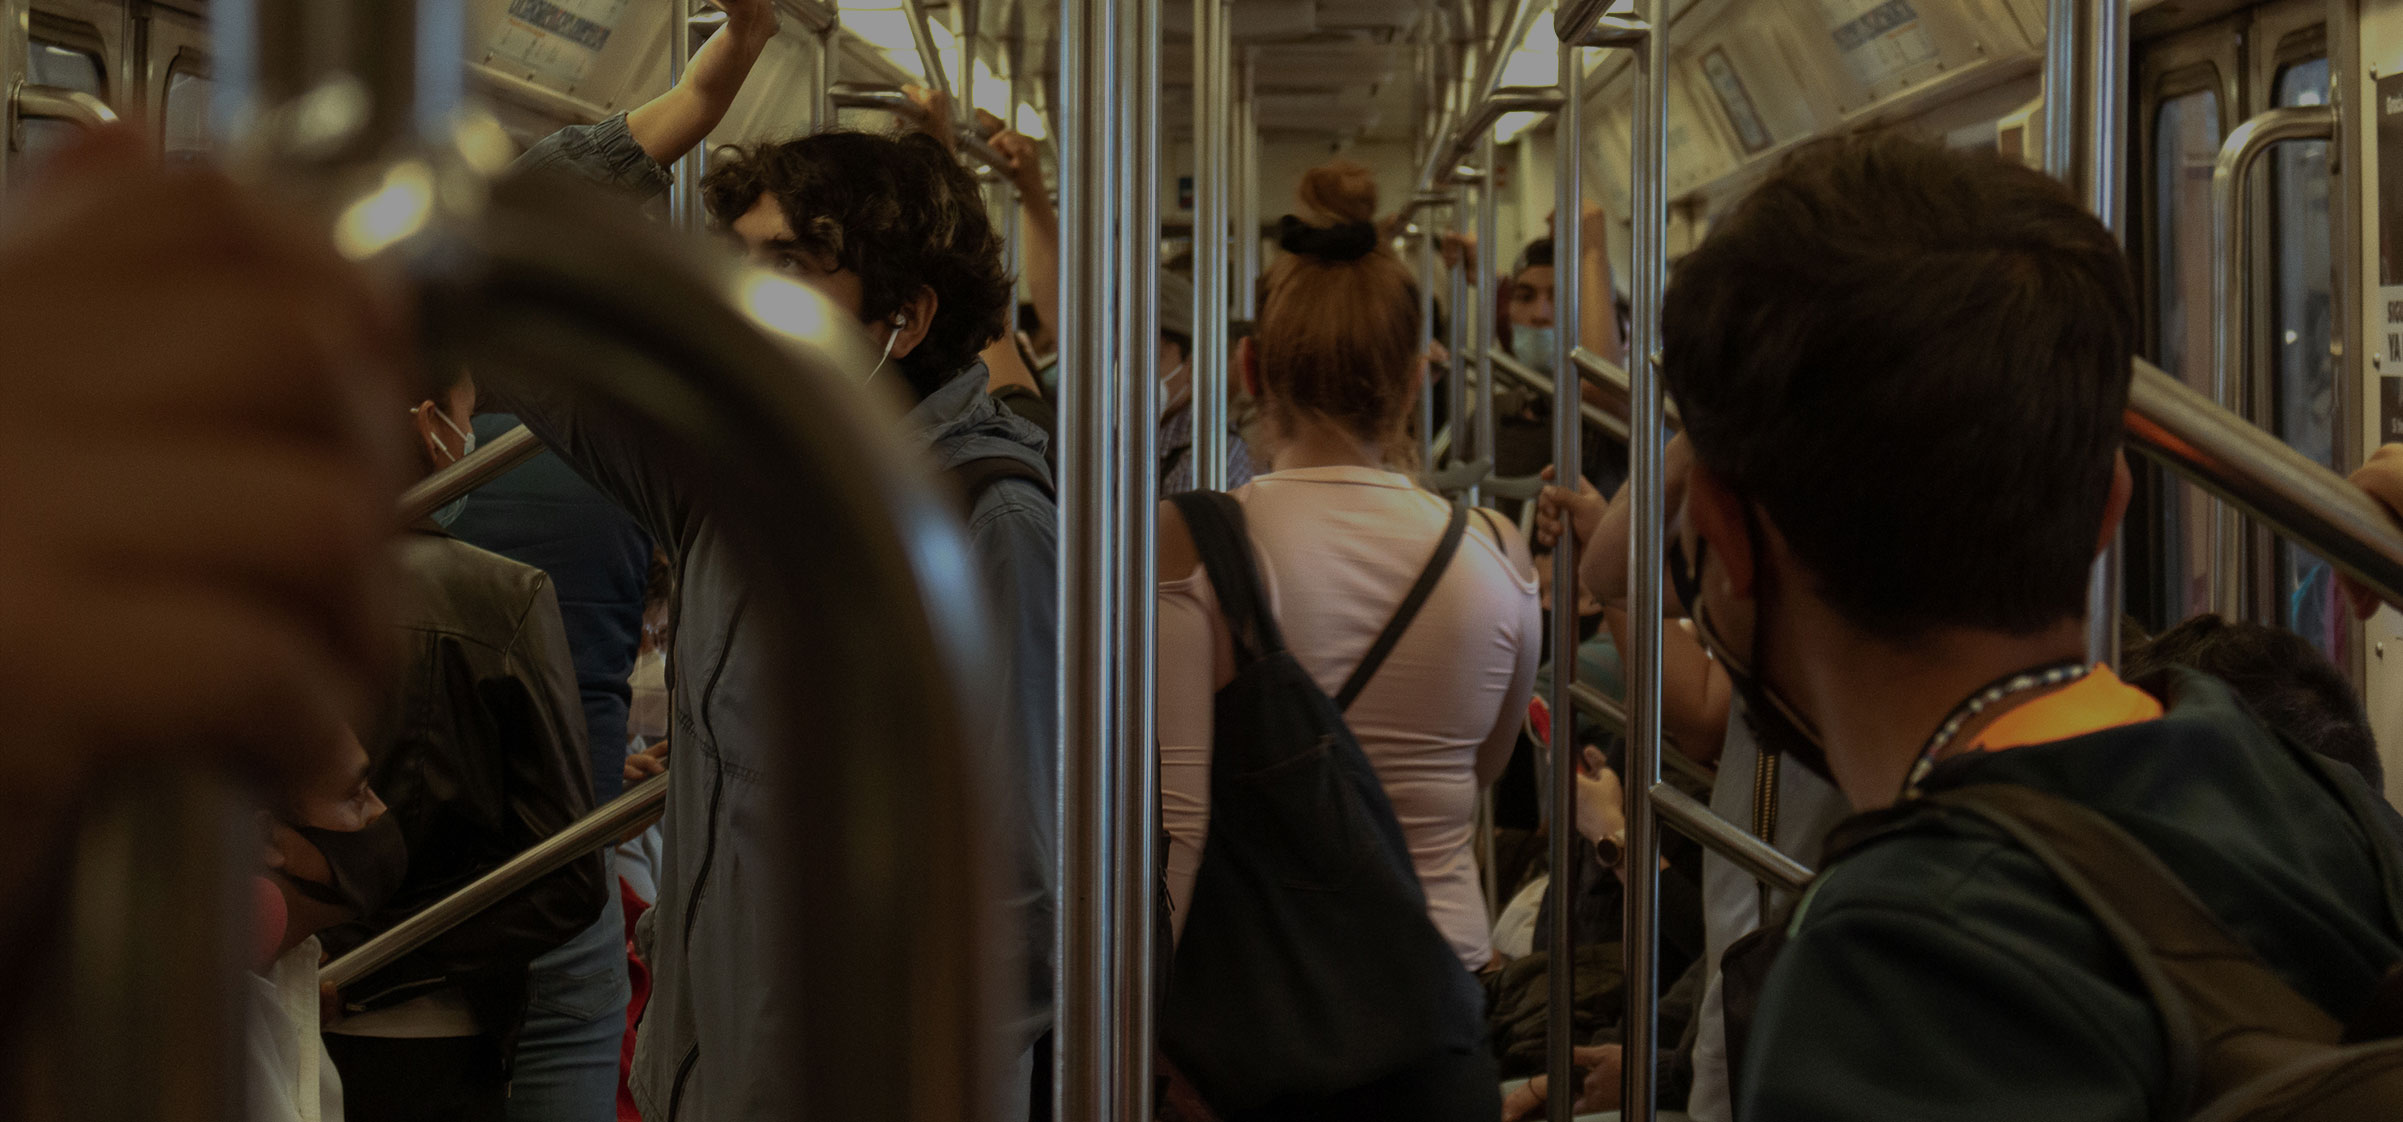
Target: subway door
86, 46
2372, 131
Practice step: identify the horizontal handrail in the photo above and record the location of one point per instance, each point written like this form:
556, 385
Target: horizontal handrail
1456, 140
1611, 378
1729, 840
2288, 491
1541, 383
894, 101
631, 811
58, 103
471, 471
1606, 709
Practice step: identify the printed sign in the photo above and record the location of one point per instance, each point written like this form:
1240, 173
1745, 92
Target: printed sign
2390, 409
555, 38
2390, 242
1729, 86
1884, 42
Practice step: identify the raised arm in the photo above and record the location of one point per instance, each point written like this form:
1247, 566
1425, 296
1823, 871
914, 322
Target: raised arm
1597, 313
1038, 226
673, 123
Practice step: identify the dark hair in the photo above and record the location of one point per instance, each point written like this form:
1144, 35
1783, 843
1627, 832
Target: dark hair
2285, 680
1914, 362
898, 211
1537, 255
1338, 337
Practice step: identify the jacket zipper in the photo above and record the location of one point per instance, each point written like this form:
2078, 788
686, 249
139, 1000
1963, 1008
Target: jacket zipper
684, 1071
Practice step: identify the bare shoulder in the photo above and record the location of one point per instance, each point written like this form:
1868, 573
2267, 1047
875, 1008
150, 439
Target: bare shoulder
1174, 545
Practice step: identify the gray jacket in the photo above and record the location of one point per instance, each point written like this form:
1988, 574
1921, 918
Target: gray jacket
708, 1040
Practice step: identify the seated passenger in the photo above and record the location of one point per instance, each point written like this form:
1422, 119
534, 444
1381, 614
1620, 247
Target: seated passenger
1903, 371
1340, 539
480, 753
332, 855
893, 230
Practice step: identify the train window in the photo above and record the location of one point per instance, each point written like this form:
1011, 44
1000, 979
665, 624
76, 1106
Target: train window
53, 64
2186, 138
186, 110
2303, 399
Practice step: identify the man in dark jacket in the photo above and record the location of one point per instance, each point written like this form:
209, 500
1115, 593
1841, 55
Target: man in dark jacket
480, 754
1903, 372
894, 232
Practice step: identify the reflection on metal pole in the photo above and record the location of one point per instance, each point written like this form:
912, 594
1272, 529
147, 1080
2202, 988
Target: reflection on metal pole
1137, 816
477, 468
1456, 342
1567, 400
1212, 37
1426, 344
1247, 188
684, 195
1645, 476
1090, 1084
1489, 295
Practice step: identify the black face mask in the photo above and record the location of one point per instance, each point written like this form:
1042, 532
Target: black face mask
367, 866
1777, 726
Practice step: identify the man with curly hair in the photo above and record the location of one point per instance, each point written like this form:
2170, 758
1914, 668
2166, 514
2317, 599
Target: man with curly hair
892, 230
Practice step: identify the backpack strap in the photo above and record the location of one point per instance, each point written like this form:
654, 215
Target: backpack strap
1392, 635
977, 476
1215, 521
2206, 985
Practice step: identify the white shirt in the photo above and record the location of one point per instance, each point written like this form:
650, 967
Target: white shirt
1337, 550
292, 1079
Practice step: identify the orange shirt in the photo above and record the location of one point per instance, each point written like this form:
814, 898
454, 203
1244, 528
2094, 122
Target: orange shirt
2093, 703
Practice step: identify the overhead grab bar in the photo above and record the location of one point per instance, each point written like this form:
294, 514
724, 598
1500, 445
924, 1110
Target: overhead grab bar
471, 471
1691, 818
1606, 709
2231, 281
624, 814
1541, 383
57, 103
894, 101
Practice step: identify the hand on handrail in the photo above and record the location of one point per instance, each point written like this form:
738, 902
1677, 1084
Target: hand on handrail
2382, 479
1601, 1064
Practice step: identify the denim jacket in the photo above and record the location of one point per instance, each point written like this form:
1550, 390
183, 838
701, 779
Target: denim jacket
708, 1045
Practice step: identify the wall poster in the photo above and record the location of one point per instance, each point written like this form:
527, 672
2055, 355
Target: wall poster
556, 39
1885, 44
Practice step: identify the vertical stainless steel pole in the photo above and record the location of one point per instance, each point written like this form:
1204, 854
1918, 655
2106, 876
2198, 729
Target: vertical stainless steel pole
2085, 109
684, 196
1426, 339
1456, 340
1138, 815
1567, 417
1090, 639
1247, 188
830, 69
1211, 36
1645, 474
1489, 293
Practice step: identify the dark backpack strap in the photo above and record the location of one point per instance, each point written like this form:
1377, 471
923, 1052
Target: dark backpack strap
1392, 635
979, 475
2207, 985
1215, 522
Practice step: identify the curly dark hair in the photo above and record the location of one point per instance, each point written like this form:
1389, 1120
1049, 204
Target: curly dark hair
898, 211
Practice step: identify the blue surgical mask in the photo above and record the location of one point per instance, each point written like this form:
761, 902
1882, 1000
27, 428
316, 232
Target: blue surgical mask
450, 511
1535, 346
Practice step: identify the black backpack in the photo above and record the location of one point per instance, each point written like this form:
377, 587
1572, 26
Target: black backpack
1308, 965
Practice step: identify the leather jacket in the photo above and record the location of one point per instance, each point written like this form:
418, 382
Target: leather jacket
479, 752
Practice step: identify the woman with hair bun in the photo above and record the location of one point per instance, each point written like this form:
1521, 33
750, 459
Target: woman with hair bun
1340, 534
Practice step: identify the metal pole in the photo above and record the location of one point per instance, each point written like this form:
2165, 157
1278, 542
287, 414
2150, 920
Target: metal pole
830, 70
1247, 189
1088, 1084
485, 464
1647, 541
1210, 358
929, 59
1426, 344
1489, 296
1137, 812
1456, 341
622, 815
1567, 403
2231, 251
2085, 83
684, 194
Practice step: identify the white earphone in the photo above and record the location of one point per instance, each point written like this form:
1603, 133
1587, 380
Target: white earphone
900, 320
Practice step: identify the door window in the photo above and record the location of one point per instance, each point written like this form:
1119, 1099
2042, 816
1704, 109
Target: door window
2186, 139
2304, 391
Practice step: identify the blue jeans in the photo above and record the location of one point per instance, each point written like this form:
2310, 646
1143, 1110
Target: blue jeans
567, 1057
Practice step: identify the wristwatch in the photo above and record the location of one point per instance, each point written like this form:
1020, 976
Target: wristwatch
1612, 851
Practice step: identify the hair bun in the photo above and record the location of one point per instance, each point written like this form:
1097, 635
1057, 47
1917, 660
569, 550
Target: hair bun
1348, 242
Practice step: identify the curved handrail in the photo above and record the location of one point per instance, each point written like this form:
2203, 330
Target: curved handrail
34, 101
631, 811
1614, 424
2231, 248
477, 468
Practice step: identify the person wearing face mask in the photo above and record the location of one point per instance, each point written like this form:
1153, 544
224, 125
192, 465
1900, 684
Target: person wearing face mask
894, 232
1943, 341
332, 854
480, 751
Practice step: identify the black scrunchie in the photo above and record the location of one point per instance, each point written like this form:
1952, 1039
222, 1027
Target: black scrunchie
1349, 242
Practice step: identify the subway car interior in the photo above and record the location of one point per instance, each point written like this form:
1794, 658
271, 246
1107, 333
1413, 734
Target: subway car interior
943, 560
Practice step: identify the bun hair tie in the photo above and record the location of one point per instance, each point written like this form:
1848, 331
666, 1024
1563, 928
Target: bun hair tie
1348, 242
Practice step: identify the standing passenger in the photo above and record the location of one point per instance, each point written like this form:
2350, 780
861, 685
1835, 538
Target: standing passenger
1341, 537
893, 231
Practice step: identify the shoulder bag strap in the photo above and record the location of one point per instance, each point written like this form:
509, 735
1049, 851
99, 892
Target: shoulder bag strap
1402, 616
1215, 521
